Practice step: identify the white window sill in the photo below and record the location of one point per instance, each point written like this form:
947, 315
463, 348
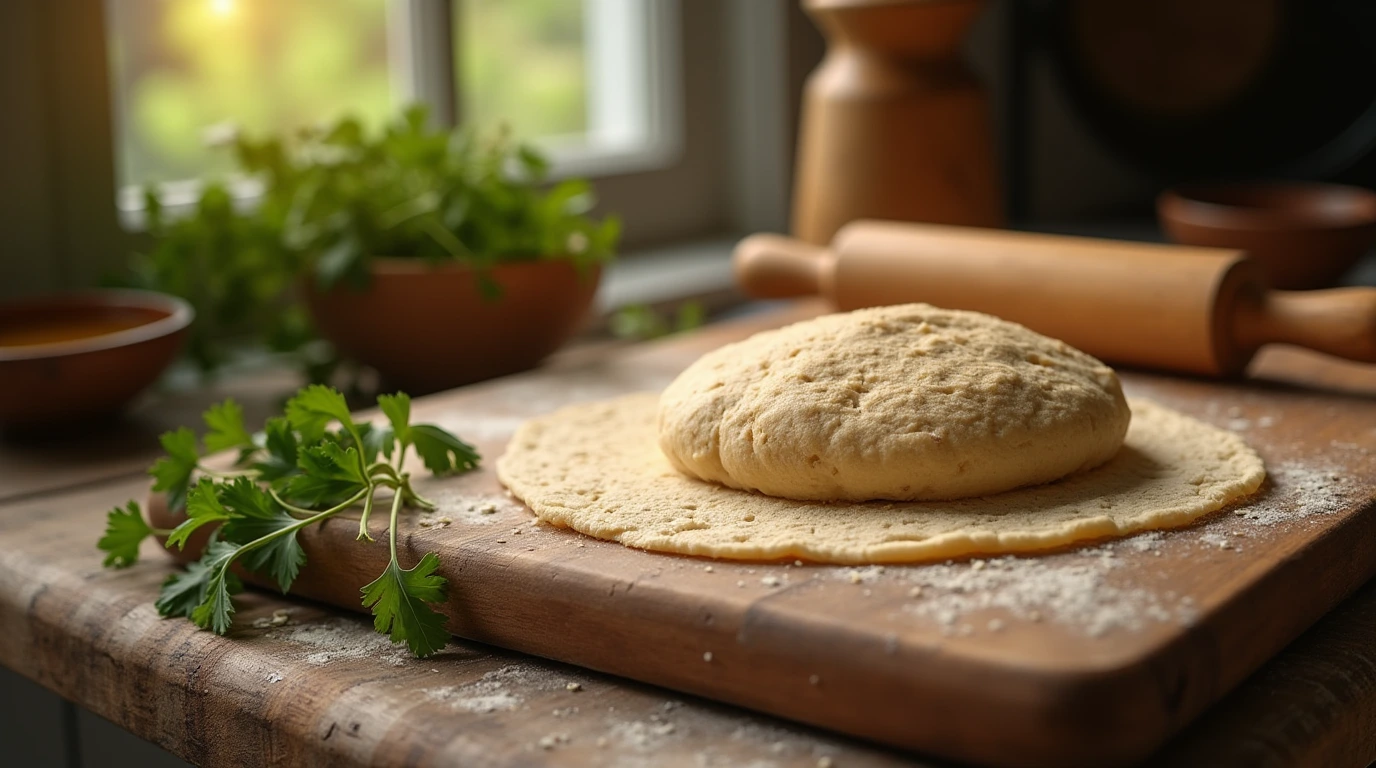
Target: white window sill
667, 273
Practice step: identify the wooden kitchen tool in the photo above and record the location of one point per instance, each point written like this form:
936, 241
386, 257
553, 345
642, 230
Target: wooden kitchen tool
894, 124
1190, 309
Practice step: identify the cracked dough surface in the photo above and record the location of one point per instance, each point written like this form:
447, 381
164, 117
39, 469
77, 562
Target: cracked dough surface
906, 402
597, 468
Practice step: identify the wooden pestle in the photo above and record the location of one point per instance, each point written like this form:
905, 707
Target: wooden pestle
1181, 308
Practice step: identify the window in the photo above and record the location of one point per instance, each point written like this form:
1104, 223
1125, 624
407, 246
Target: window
578, 77
593, 82
542, 90
684, 121
184, 71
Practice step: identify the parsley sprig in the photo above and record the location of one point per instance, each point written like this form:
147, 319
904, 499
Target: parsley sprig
299, 471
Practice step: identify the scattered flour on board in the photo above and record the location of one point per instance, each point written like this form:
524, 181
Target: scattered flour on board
866, 575
479, 698
1082, 588
1343, 445
1214, 540
776, 739
1299, 491
341, 639
1074, 589
644, 735
279, 617
1076, 592
1142, 542
462, 508
638, 741
498, 690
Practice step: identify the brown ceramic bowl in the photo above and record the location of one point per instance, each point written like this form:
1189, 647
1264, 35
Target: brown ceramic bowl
67, 357
426, 327
1303, 235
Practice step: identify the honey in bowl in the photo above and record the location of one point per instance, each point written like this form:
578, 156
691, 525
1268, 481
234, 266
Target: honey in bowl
73, 326
67, 360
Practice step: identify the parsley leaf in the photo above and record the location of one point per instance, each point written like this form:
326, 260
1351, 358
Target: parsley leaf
202, 508
397, 408
259, 516
172, 473
125, 530
442, 452
244, 498
215, 612
398, 599
226, 423
184, 594
328, 473
280, 444
302, 472
314, 408
216, 607
280, 558
377, 441
231, 501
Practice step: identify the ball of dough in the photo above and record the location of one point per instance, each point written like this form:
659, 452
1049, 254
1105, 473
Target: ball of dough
906, 403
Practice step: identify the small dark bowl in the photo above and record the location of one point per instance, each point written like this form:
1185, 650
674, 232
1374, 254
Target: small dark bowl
1303, 235
67, 357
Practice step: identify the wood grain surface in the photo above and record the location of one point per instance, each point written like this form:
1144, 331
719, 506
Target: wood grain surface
1173, 623
323, 690
37, 462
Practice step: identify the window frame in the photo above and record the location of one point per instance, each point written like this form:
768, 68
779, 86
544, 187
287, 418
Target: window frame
422, 52
731, 91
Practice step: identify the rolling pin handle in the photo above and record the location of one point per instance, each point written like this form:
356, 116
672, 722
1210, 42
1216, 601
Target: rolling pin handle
1338, 321
777, 267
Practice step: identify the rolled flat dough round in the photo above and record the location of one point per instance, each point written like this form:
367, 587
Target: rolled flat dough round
596, 468
906, 402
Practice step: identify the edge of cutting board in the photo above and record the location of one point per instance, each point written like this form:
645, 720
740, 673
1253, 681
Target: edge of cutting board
970, 708
597, 604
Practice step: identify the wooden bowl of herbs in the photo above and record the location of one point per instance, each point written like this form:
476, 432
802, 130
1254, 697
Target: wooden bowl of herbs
439, 258
435, 256
431, 326
69, 357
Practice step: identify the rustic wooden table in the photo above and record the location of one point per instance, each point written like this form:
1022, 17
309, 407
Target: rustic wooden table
324, 689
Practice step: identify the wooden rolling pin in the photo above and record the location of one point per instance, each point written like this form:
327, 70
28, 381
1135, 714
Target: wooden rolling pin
1195, 310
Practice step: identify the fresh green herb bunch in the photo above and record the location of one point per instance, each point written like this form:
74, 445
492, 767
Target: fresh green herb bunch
232, 267
416, 192
296, 473
334, 197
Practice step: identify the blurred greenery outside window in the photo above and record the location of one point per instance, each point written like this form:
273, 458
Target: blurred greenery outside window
576, 77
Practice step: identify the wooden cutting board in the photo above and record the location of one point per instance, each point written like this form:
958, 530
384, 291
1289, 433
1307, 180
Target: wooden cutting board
1092, 656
